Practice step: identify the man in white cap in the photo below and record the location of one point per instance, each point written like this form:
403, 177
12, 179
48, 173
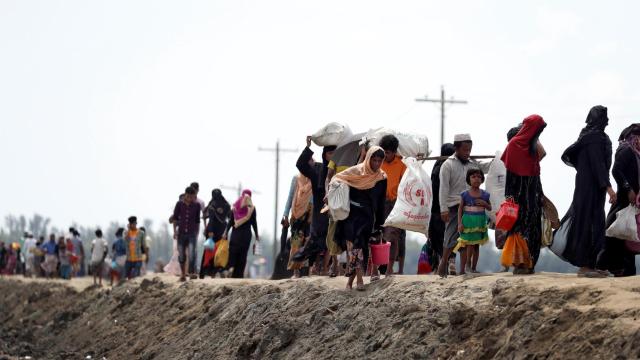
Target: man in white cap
453, 183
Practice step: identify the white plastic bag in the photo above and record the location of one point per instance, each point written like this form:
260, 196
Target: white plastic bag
412, 210
625, 226
411, 145
495, 185
339, 204
332, 134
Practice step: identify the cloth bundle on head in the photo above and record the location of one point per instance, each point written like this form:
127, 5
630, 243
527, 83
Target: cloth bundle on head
302, 197
597, 121
243, 208
362, 176
520, 156
462, 137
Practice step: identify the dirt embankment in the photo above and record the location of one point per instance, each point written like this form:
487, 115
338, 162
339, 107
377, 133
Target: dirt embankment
497, 316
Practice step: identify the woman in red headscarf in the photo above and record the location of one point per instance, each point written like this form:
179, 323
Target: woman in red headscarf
242, 221
522, 160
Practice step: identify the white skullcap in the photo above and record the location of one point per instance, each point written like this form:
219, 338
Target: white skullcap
462, 137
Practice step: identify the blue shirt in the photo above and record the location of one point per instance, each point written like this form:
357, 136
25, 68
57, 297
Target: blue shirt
119, 247
469, 200
49, 248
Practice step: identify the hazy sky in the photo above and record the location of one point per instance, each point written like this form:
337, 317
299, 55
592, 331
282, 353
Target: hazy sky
110, 108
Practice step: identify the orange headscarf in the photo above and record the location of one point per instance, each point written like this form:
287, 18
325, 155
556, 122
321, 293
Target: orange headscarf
302, 197
362, 176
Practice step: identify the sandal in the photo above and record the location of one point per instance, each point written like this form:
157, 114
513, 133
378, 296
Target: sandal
375, 278
360, 287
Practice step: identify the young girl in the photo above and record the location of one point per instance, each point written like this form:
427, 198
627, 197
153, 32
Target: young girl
472, 220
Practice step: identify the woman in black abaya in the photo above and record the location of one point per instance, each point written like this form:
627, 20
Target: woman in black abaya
582, 229
626, 171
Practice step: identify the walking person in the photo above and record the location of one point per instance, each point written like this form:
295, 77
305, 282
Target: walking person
394, 168
317, 174
64, 259
367, 192
453, 182
217, 213
186, 224
616, 258
522, 160
99, 250
50, 264
582, 229
119, 257
244, 219
134, 240
299, 205
472, 219
30, 244
436, 225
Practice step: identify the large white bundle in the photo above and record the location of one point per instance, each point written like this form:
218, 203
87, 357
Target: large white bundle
411, 144
332, 134
412, 210
495, 184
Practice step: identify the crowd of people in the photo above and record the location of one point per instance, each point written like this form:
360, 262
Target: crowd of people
64, 256
316, 244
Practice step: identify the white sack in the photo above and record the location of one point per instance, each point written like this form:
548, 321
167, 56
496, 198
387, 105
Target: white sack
332, 134
339, 204
412, 210
495, 185
411, 145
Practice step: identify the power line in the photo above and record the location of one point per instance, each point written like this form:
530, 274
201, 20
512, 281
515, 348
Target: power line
442, 102
277, 151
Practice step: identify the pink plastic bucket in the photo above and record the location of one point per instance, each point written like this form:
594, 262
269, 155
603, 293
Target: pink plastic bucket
380, 253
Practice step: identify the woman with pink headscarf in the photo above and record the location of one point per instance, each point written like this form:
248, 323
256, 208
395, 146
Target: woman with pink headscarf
243, 219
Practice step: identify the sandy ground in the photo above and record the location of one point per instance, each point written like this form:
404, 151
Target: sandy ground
548, 316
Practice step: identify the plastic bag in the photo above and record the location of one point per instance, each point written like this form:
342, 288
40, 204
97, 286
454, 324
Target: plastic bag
209, 244
495, 184
424, 262
411, 145
507, 215
625, 226
412, 210
222, 254
332, 134
338, 196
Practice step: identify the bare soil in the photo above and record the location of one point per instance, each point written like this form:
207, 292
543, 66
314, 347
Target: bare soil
498, 316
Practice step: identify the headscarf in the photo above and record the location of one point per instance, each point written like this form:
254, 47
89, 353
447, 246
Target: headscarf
302, 197
362, 176
597, 121
243, 208
520, 156
218, 202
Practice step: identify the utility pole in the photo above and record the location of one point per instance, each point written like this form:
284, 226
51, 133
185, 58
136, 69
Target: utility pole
277, 151
238, 189
442, 102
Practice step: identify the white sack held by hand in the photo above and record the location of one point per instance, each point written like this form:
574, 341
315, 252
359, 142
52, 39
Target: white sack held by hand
412, 210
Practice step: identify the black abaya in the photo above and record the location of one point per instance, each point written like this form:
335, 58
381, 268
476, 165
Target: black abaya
239, 242
615, 257
583, 227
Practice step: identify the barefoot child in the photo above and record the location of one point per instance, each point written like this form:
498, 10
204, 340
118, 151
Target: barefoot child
472, 220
